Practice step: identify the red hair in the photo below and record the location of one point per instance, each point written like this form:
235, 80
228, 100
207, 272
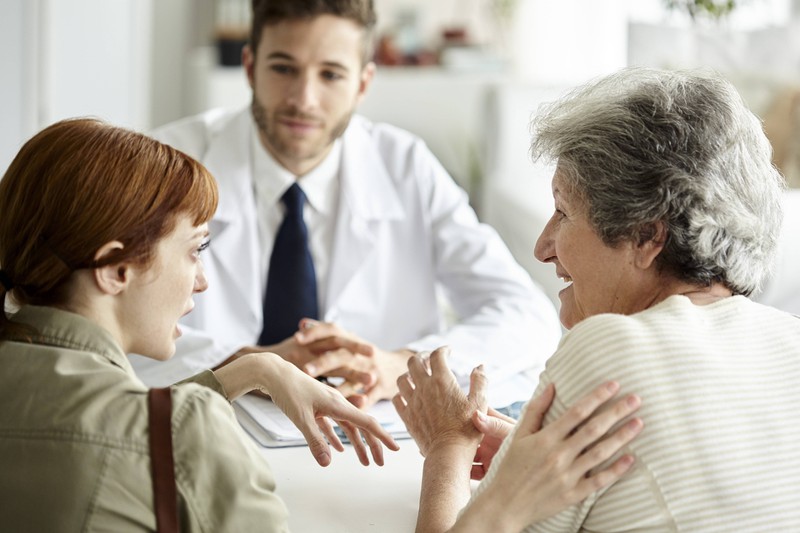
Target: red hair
81, 183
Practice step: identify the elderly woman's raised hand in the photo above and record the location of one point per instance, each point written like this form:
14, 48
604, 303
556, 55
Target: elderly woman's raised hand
309, 404
433, 407
545, 470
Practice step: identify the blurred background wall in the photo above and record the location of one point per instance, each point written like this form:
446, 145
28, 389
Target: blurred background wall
143, 63
465, 75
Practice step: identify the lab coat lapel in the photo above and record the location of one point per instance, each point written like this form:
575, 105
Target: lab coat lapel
367, 200
234, 234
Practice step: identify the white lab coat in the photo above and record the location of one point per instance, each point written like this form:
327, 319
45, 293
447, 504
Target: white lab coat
405, 233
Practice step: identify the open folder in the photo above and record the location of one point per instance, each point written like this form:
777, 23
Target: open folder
271, 428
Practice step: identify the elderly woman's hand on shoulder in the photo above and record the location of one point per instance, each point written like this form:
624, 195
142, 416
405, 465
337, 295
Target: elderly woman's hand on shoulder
495, 427
545, 470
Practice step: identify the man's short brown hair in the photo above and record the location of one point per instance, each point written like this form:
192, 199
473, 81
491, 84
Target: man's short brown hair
267, 12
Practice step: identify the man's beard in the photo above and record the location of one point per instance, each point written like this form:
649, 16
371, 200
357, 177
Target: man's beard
265, 121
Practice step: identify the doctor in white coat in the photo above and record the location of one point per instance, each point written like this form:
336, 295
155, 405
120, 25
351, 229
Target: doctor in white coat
391, 235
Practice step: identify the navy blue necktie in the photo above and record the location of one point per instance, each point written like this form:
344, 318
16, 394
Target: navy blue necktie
291, 282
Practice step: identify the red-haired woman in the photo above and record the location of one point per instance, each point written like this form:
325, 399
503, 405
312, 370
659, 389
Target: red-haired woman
100, 237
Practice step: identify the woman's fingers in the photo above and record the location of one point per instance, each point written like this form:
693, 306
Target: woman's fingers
599, 424
478, 472
583, 409
606, 448
603, 478
360, 427
316, 444
438, 361
491, 425
497, 414
531, 420
375, 448
361, 430
343, 411
358, 438
478, 383
326, 427
355, 439
399, 404
404, 385
418, 368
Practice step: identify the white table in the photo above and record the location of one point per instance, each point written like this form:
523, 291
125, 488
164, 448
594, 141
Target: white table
346, 497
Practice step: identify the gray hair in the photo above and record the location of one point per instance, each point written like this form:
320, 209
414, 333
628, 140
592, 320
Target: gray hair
644, 146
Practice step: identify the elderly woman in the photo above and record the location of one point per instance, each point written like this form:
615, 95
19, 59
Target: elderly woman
667, 210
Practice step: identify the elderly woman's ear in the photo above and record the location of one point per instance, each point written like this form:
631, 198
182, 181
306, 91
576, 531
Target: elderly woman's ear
652, 238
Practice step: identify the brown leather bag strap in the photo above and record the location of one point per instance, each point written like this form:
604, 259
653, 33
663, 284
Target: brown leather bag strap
165, 493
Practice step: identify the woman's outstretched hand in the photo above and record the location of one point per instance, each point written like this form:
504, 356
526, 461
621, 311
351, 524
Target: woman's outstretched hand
309, 404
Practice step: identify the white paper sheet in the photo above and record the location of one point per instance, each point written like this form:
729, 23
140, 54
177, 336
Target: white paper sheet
270, 427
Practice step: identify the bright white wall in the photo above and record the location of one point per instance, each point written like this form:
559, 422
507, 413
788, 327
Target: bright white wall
62, 59
96, 60
569, 41
179, 27
17, 65
127, 60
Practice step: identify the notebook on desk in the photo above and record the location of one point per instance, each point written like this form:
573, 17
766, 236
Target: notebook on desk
271, 428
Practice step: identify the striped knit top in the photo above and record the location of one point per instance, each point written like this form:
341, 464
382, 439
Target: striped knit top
720, 386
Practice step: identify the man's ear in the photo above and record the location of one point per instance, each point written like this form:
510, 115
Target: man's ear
111, 279
248, 61
652, 239
366, 76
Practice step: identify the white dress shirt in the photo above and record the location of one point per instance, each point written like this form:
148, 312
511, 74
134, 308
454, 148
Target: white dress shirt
321, 187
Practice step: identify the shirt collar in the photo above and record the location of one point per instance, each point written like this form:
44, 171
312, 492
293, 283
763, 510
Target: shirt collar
271, 179
54, 327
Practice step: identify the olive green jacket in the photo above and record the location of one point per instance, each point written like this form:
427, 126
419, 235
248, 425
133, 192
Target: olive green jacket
74, 450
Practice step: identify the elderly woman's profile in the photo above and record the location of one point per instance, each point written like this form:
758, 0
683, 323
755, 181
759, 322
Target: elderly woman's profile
667, 212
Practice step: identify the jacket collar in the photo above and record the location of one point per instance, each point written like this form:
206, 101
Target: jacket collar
54, 327
367, 187
367, 199
365, 182
229, 156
